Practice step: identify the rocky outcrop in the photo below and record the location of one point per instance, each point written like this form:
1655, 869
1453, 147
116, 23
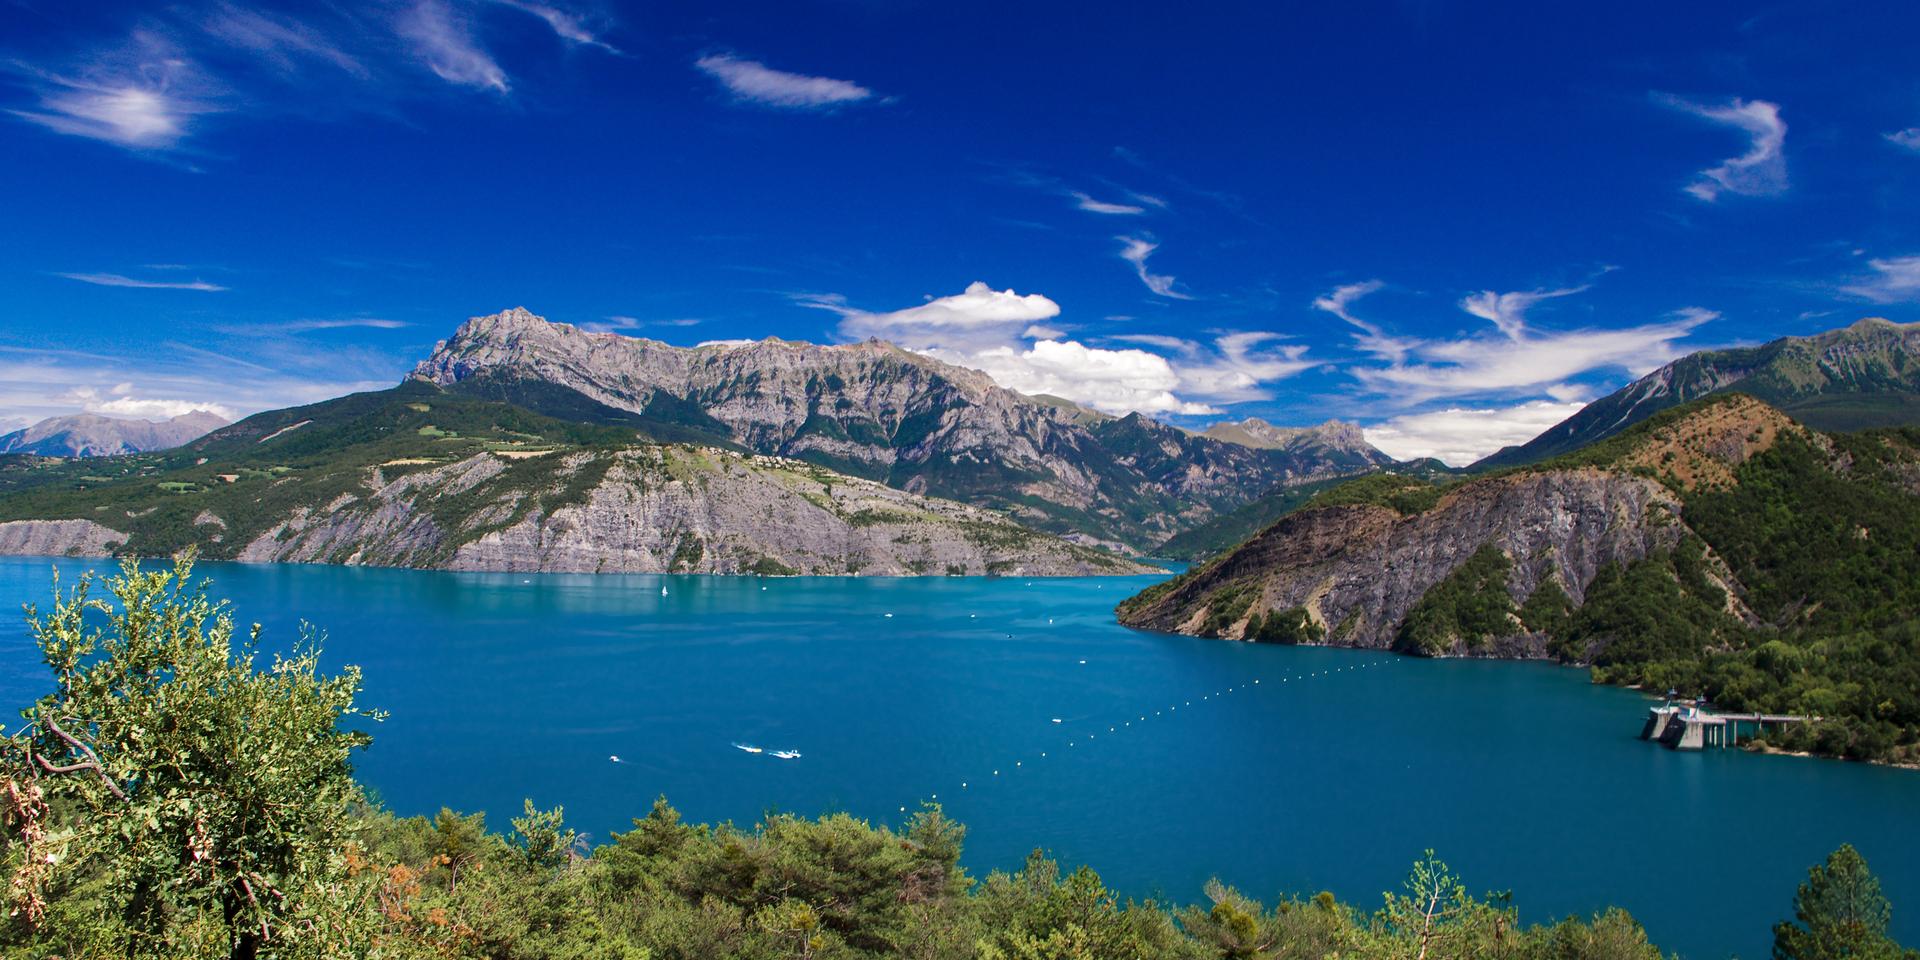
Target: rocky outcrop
1357, 563
58, 538
92, 435
909, 421
664, 509
1357, 569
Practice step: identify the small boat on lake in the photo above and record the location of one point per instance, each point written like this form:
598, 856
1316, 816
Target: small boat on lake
748, 747
785, 754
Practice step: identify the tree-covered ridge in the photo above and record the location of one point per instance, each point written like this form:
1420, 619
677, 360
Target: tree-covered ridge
150, 812
1780, 573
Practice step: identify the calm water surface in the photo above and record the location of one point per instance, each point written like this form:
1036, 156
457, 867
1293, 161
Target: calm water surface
1333, 772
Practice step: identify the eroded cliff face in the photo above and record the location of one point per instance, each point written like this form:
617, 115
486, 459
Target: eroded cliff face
640, 510
907, 420
58, 538
1358, 569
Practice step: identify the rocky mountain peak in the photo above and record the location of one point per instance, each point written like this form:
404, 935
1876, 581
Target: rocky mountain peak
1259, 434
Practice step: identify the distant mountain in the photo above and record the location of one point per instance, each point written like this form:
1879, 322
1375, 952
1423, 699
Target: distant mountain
92, 435
1334, 437
420, 477
1865, 375
874, 410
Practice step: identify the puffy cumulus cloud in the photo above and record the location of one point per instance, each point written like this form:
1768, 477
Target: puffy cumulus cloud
1893, 280
1112, 381
1007, 335
1459, 436
751, 81
1762, 170
949, 321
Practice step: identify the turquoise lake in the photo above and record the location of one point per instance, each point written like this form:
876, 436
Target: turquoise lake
1333, 772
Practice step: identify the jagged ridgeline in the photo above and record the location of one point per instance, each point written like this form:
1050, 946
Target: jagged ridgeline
423, 477
876, 411
1858, 377
1719, 547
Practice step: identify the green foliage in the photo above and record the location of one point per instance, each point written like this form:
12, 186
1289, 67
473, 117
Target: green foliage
1548, 609
1471, 606
1406, 495
1226, 605
208, 794
1293, 625
1840, 914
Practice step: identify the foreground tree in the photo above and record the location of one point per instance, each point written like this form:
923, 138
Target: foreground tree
1841, 914
203, 799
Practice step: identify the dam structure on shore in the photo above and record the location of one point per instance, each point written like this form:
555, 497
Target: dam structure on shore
1693, 727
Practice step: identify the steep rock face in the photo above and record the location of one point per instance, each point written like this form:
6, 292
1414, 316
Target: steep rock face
1358, 569
1864, 375
912, 422
58, 538
92, 435
664, 509
1332, 436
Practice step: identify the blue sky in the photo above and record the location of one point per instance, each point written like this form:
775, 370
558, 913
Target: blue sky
1450, 222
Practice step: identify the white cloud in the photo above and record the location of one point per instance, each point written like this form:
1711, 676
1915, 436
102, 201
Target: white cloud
1007, 335
1894, 280
1762, 170
280, 42
1909, 138
1518, 359
1371, 339
619, 322
1136, 250
1085, 201
1459, 436
565, 24
154, 408
755, 82
142, 96
446, 43
1508, 311
116, 280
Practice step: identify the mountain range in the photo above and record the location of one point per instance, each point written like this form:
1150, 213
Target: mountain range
873, 410
92, 435
1861, 376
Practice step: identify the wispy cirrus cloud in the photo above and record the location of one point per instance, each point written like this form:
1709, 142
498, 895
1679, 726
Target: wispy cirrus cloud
566, 24
750, 81
149, 89
1762, 170
620, 322
1371, 339
116, 280
445, 41
1015, 339
1514, 358
1136, 250
142, 95
1086, 201
1892, 280
1908, 138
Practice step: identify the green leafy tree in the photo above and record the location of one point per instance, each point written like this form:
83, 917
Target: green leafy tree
211, 795
1841, 914
544, 840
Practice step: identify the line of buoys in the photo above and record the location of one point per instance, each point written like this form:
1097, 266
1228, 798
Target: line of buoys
1020, 764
